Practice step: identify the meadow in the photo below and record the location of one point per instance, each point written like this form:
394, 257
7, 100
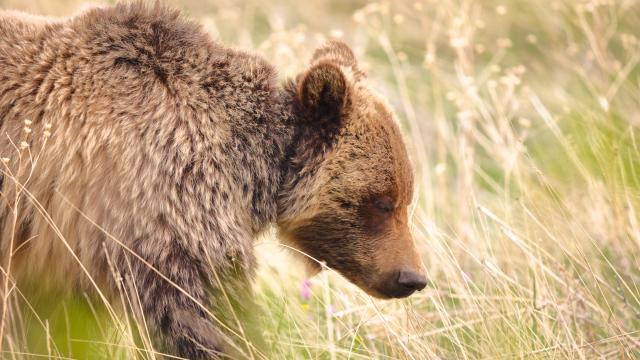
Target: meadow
521, 118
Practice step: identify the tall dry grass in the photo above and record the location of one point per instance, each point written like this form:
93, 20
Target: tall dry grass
521, 117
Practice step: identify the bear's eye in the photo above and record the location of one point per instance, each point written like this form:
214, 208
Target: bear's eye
384, 204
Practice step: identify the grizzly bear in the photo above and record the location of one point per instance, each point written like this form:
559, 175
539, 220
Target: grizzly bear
131, 140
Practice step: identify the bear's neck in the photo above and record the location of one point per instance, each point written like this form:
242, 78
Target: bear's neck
287, 171
300, 161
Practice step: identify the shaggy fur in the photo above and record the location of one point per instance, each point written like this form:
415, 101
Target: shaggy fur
183, 150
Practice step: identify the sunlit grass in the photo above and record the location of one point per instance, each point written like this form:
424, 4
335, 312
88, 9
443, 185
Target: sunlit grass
521, 118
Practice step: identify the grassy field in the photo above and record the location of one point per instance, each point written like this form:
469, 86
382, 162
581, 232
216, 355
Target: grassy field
522, 121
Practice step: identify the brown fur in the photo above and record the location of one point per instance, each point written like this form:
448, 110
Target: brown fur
184, 149
358, 194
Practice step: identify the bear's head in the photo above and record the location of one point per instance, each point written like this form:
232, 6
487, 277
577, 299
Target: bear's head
348, 185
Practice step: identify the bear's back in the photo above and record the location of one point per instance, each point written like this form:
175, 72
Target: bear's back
132, 49
157, 45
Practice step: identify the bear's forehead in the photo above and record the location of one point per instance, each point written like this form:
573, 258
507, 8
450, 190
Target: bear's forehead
372, 154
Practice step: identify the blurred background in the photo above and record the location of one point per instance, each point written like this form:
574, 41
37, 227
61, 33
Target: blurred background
521, 118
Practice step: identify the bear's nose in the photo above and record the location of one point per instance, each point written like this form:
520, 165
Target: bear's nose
412, 280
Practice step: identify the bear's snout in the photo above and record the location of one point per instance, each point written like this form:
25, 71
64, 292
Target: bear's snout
412, 280
402, 283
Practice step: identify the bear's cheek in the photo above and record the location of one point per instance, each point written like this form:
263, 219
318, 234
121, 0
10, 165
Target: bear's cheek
337, 241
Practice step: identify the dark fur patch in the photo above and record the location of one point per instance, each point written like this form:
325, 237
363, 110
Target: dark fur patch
23, 232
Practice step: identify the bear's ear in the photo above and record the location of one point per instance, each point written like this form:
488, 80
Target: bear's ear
339, 53
323, 91
336, 51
